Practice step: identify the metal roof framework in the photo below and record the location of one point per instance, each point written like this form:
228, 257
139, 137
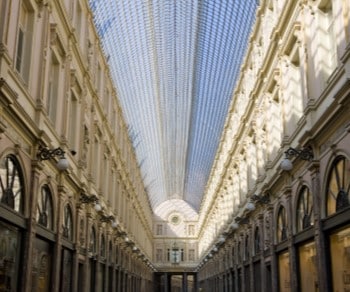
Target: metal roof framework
175, 65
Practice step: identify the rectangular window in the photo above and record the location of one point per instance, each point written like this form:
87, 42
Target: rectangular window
159, 255
73, 131
24, 42
159, 229
19, 55
327, 49
191, 230
191, 256
99, 81
96, 166
53, 86
78, 20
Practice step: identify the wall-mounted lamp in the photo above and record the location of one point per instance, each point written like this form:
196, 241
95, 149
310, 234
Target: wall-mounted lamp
221, 239
250, 206
304, 154
115, 223
262, 199
242, 220
234, 225
44, 154
98, 207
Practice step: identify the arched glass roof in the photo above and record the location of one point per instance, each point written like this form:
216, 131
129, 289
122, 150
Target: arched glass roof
175, 64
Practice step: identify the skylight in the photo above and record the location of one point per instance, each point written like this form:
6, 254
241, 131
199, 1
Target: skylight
175, 64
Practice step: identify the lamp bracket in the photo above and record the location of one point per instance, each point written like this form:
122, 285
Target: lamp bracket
262, 199
304, 153
45, 153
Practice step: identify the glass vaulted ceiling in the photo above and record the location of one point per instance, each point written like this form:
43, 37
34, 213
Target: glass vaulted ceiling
175, 64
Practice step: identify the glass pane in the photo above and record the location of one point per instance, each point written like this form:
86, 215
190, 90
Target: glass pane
101, 278
284, 272
68, 223
281, 225
257, 277
340, 259
66, 271
305, 213
307, 267
92, 244
9, 257
44, 211
11, 183
257, 243
41, 268
103, 247
338, 186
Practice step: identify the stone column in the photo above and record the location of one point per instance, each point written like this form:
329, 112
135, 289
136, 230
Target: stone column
30, 235
293, 261
166, 283
320, 240
184, 282
58, 247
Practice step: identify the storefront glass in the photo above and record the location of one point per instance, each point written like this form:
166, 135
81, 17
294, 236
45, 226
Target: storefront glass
284, 272
9, 257
41, 266
340, 259
307, 267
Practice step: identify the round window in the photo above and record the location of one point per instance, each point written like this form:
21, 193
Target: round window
175, 219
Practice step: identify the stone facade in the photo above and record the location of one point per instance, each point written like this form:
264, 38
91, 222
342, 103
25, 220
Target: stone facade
83, 228
90, 227
264, 228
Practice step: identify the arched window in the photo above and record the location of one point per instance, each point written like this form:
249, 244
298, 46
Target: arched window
257, 240
110, 251
281, 224
44, 215
103, 246
338, 185
82, 232
92, 243
239, 247
68, 223
233, 255
116, 254
305, 209
11, 183
246, 248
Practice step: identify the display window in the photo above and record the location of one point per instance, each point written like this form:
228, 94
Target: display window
340, 259
10, 239
308, 267
284, 272
338, 186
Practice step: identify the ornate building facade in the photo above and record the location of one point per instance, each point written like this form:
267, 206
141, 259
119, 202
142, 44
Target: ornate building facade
276, 214
74, 213
77, 225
